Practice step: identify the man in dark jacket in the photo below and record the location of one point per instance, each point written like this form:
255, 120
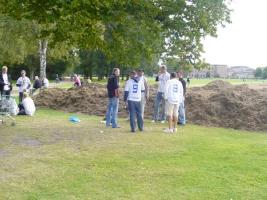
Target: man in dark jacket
113, 94
5, 83
36, 85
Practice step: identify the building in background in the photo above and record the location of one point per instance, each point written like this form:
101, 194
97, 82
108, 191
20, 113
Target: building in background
241, 72
223, 71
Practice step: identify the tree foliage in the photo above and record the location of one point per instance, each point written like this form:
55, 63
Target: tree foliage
125, 31
258, 72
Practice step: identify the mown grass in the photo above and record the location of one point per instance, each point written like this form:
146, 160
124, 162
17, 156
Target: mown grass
48, 157
193, 82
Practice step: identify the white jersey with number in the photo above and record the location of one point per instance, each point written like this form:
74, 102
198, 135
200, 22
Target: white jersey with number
24, 83
135, 89
174, 91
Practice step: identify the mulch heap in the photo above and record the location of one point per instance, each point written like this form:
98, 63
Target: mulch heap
217, 104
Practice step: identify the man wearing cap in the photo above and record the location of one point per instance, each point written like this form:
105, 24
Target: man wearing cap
162, 79
145, 93
133, 95
5, 83
24, 84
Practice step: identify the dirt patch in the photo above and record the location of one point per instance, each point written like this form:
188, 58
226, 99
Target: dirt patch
3, 153
216, 104
27, 141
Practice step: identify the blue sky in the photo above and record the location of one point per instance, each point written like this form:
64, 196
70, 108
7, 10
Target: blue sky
244, 42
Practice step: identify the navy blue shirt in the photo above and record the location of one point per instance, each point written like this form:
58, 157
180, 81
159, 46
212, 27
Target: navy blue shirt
113, 84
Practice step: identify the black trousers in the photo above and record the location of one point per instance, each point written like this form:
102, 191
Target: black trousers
21, 109
20, 97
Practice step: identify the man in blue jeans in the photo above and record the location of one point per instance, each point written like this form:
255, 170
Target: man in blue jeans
181, 114
133, 95
162, 79
113, 94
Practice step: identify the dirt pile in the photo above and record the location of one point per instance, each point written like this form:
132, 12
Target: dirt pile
216, 104
222, 104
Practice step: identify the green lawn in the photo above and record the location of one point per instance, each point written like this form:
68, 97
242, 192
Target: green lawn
47, 157
194, 82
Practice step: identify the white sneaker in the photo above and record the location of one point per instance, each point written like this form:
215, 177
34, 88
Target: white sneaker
153, 121
175, 130
168, 130
162, 122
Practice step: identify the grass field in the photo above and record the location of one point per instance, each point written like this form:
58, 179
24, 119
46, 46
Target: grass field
48, 157
194, 82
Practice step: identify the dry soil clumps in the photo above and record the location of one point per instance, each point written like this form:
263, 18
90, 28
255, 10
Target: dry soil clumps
217, 104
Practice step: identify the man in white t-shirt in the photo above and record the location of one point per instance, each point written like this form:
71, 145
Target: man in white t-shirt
145, 94
27, 106
24, 84
162, 79
133, 95
173, 96
5, 83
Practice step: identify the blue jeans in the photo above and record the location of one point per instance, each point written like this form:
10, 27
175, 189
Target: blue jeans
112, 112
135, 111
181, 118
159, 101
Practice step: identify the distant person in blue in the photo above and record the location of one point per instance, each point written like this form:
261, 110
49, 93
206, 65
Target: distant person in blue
113, 95
181, 117
133, 95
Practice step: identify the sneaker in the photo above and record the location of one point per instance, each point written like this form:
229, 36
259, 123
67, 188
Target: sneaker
162, 122
153, 121
175, 130
168, 130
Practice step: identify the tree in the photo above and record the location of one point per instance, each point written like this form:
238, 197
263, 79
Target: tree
264, 73
125, 31
259, 72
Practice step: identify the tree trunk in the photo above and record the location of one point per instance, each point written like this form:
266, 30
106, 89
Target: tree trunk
42, 52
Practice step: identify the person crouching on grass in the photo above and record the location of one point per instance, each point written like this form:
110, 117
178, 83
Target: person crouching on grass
133, 94
173, 95
26, 107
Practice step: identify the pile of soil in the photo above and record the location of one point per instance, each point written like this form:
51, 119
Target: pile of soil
217, 104
224, 105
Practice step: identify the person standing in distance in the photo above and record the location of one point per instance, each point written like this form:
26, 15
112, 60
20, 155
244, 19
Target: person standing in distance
145, 93
5, 83
181, 114
133, 95
113, 95
162, 78
173, 94
24, 84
